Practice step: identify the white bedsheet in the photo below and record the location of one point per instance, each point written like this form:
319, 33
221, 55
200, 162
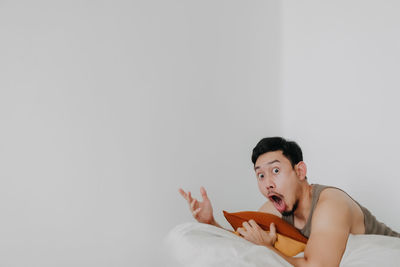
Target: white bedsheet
202, 245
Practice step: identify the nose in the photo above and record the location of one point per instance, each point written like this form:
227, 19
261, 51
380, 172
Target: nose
269, 183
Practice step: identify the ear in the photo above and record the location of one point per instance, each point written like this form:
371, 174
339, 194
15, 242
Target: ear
301, 170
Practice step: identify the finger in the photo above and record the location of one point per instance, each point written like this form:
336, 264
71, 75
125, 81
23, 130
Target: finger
246, 225
203, 193
193, 203
241, 231
190, 199
196, 212
182, 193
254, 224
272, 233
272, 229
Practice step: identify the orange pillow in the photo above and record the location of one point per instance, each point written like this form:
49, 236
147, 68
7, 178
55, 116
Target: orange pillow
289, 240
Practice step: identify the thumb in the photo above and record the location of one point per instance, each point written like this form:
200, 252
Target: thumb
203, 193
272, 229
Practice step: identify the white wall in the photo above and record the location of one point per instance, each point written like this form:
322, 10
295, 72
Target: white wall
107, 107
340, 96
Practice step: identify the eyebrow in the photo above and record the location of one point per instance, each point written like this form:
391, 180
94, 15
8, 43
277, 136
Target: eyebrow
269, 163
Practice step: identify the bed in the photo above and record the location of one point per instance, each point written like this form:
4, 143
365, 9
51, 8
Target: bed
201, 245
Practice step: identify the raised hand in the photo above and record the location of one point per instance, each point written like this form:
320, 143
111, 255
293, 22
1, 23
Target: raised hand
201, 211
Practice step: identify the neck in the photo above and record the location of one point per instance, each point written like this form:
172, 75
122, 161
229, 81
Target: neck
304, 206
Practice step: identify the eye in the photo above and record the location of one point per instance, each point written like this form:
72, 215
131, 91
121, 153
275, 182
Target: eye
275, 170
260, 175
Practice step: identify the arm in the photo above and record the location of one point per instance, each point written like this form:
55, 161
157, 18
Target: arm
203, 212
330, 230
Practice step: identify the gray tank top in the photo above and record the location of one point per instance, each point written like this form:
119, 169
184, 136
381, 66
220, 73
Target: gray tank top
372, 225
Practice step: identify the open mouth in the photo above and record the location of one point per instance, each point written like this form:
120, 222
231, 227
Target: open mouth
278, 202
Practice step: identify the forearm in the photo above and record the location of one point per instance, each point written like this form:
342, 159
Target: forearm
214, 222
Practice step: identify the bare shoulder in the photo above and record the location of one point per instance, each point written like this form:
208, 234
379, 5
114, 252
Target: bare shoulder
268, 207
337, 202
331, 224
334, 195
333, 203
336, 198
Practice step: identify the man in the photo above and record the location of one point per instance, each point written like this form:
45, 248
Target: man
325, 215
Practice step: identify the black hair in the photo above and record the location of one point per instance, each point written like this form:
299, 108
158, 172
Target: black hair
290, 149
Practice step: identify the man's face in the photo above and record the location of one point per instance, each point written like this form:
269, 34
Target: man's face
277, 180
